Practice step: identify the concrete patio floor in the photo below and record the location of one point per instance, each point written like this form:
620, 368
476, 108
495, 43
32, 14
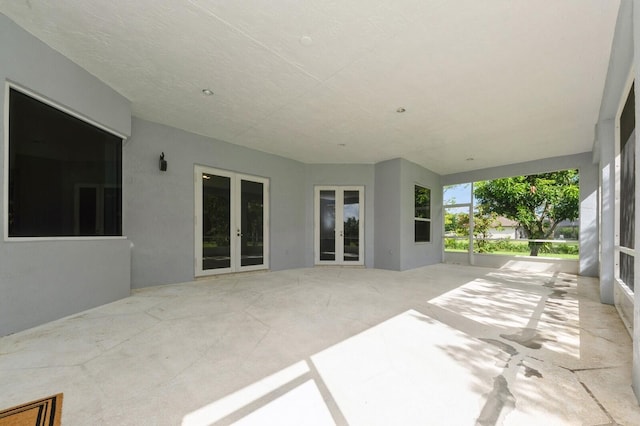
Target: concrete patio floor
444, 344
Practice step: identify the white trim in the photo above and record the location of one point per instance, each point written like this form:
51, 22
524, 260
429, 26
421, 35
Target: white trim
616, 162
617, 174
265, 219
625, 95
51, 239
626, 250
622, 291
198, 172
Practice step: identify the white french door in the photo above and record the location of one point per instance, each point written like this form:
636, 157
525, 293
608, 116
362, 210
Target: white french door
339, 225
231, 222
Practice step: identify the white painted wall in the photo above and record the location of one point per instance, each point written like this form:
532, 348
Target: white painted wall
43, 281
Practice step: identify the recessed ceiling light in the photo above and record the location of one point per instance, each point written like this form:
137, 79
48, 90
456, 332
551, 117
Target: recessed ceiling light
306, 40
207, 92
400, 110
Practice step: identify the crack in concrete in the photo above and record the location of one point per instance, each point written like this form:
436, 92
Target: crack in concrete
604, 410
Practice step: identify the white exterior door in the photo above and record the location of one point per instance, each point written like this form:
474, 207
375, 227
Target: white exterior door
339, 225
231, 222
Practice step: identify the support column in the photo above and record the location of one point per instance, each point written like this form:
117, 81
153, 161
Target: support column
606, 139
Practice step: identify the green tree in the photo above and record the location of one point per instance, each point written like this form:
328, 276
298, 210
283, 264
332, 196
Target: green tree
483, 222
451, 222
537, 202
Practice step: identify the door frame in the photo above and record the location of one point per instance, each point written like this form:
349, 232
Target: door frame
235, 193
339, 230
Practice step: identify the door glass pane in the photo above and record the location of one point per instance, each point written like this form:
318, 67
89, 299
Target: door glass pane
216, 222
327, 225
351, 216
252, 215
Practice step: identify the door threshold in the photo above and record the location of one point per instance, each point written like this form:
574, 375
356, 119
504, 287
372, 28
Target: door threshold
231, 274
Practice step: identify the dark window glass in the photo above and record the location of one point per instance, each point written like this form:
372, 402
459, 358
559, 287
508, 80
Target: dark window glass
65, 175
252, 212
627, 188
216, 221
423, 231
628, 117
422, 214
422, 202
627, 270
351, 226
327, 225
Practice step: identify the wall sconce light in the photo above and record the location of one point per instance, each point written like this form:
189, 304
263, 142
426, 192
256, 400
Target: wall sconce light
163, 163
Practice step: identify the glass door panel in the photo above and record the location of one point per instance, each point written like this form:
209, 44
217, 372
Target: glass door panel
216, 221
327, 225
339, 225
351, 226
252, 223
231, 222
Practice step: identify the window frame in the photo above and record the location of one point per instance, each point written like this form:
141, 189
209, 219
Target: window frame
421, 219
9, 85
622, 287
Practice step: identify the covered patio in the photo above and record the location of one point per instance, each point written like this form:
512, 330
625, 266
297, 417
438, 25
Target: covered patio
442, 344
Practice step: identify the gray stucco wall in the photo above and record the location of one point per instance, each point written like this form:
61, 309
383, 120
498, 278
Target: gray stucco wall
589, 183
343, 175
160, 206
395, 244
388, 214
44, 280
414, 254
29, 62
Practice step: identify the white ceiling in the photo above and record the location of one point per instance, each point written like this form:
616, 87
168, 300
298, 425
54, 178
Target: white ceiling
501, 81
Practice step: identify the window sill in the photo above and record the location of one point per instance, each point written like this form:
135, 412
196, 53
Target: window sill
53, 239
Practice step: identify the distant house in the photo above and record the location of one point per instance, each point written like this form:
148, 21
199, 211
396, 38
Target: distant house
567, 230
507, 228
